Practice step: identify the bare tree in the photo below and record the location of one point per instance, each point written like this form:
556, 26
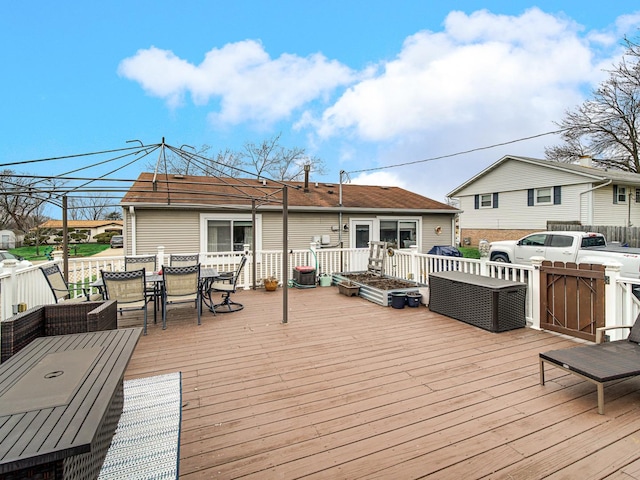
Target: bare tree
269, 158
225, 163
606, 127
90, 207
22, 201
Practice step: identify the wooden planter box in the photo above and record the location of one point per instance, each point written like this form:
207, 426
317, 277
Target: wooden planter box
348, 290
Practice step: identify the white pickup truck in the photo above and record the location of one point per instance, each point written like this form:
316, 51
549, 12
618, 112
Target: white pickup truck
577, 247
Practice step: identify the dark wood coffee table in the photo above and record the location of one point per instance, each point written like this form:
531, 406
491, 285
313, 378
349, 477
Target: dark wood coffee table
60, 402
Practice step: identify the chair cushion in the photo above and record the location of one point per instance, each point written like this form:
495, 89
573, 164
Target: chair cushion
634, 334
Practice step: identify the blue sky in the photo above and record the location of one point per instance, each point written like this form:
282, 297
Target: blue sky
361, 85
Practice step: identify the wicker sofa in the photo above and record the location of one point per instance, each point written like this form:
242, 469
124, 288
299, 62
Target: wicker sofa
55, 319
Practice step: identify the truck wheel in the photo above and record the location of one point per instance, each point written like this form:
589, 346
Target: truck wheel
500, 257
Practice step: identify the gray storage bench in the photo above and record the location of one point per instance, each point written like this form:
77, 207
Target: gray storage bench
490, 303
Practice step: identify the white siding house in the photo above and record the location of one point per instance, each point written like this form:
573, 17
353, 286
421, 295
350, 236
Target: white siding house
518, 195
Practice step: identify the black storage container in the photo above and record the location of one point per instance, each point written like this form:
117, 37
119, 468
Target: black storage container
304, 275
490, 303
398, 300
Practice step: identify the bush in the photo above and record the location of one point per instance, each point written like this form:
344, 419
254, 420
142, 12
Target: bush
105, 237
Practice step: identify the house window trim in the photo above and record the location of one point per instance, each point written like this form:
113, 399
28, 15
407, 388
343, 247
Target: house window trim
204, 220
535, 196
490, 195
616, 198
395, 218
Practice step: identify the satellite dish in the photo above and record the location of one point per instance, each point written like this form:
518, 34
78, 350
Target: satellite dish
438, 230
390, 252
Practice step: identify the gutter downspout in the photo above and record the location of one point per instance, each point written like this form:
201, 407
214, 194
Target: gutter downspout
590, 212
340, 243
132, 214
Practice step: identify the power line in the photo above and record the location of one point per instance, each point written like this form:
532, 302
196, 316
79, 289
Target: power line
457, 154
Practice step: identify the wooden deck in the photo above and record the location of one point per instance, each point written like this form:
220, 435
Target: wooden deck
349, 389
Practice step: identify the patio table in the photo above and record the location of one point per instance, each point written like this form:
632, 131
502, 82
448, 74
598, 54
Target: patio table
60, 401
207, 275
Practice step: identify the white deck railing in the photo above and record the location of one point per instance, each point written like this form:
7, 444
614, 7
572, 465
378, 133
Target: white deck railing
28, 287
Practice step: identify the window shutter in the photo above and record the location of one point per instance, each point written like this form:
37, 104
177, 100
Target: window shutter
615, 194
495, 200
530, 197
557, 195
476, 200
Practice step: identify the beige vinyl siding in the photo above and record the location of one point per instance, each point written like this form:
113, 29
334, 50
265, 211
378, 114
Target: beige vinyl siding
515, 175
605, 212
429, 236
514, 213
177, 230
302, 227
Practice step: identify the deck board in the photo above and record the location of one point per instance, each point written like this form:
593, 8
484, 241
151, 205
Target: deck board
350, 389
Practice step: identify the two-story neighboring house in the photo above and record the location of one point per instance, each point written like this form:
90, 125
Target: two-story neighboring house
516, 196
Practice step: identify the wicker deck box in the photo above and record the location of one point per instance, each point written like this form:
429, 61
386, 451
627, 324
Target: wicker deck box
490, 303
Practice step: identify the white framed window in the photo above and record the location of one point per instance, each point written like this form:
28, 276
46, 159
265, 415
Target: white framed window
400, 232
544, 196
228, 233
486, 200
621, 194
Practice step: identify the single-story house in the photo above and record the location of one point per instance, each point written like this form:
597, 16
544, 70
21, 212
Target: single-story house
516, 196
186, 213
92, 227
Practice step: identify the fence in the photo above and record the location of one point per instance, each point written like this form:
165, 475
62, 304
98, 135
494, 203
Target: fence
629, 236
28, 285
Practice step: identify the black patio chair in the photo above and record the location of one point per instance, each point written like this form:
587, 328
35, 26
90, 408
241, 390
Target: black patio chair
227, 283
599, 363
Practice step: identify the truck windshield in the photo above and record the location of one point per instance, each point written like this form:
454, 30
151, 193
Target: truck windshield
593, 242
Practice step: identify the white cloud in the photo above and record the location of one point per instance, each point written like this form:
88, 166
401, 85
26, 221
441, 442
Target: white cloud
383, 178
483, 69
250, 85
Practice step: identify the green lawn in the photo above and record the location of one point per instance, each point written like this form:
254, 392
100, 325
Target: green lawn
75, 250
469, 252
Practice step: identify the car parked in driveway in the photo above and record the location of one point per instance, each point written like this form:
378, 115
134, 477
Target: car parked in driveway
117, 241
22, 263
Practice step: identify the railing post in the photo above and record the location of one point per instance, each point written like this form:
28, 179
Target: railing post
160, 257
612, 302
412, 274
11, 308
248, 268
484, 268
535, 292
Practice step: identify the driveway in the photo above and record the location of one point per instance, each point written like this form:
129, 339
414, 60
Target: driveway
110, 252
